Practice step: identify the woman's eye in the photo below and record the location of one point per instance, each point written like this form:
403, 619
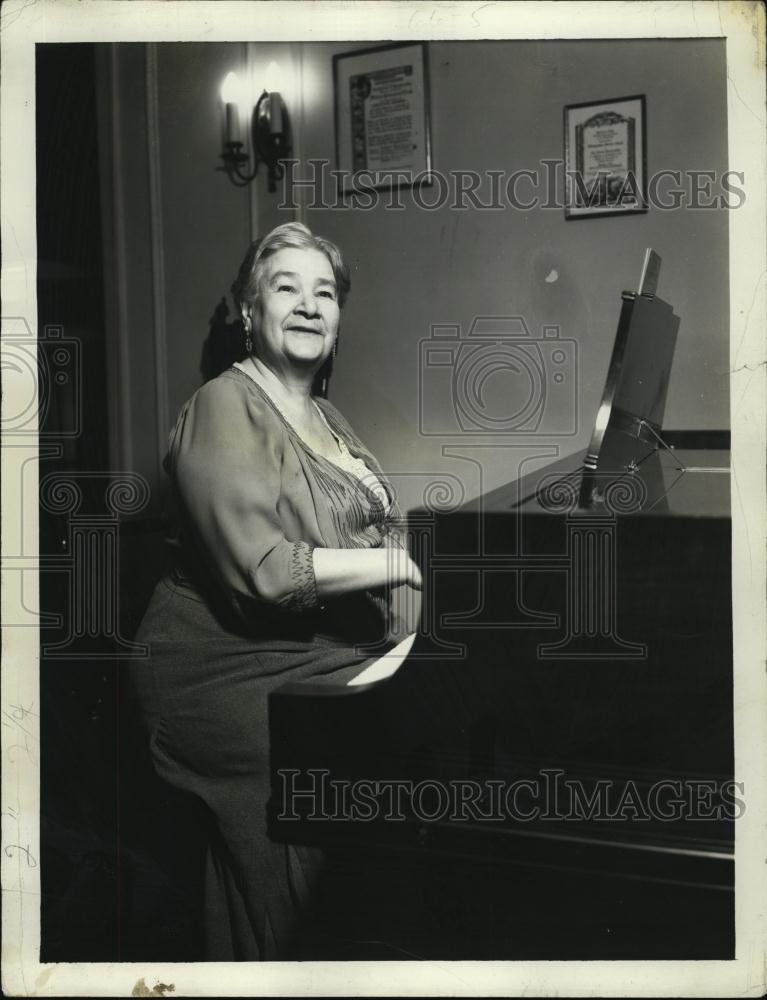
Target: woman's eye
327, 295
285, 288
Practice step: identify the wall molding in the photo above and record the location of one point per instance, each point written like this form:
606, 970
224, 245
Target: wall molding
255, 228
157, 249
110, 124
121, 268
297, 58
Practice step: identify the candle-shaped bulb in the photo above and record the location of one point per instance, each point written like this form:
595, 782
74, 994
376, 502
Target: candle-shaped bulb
230, 95
230, 89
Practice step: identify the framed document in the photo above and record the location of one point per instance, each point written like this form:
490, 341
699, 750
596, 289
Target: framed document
382, 116
605, 158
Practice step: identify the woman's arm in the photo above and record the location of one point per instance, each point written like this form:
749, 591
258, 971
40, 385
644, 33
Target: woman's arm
226, 458
339, 571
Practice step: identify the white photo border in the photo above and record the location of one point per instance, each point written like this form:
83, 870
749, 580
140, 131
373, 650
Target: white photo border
742, 26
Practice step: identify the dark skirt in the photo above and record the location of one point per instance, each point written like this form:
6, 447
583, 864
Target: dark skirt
203, 697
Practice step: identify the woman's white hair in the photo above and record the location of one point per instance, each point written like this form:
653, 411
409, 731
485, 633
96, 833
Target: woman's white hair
290, 235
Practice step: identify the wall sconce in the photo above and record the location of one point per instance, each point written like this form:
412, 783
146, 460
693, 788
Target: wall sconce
269, 134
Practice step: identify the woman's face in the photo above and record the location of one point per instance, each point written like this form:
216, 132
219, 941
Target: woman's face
295, 319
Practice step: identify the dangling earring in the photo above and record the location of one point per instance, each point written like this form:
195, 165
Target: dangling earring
335, 348
248, 339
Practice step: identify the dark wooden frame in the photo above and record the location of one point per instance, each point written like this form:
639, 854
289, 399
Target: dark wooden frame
598, 211
337, 60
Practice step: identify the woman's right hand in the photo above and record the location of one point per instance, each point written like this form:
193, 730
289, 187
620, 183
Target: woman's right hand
414, 578
403, 569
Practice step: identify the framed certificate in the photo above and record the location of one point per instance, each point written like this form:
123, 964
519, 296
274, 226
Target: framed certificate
605, 158
382, 116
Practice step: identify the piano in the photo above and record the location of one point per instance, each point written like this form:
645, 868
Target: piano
548, 773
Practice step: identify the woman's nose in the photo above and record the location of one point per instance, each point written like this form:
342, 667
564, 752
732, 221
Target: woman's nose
307, 304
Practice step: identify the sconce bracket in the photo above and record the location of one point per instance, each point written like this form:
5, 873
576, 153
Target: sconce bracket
268, 147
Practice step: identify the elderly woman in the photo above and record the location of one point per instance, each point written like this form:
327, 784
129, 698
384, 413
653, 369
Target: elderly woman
284, 561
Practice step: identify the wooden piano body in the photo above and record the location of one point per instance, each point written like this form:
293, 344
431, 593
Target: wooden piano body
549, 774
512, 701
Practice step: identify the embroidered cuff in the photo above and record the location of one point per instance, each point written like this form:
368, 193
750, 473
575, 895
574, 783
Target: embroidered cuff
304, 593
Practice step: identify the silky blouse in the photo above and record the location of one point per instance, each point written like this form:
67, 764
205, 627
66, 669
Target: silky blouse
344, 458
251, 500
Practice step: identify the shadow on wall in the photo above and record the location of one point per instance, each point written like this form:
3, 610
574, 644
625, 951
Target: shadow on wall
224, 344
